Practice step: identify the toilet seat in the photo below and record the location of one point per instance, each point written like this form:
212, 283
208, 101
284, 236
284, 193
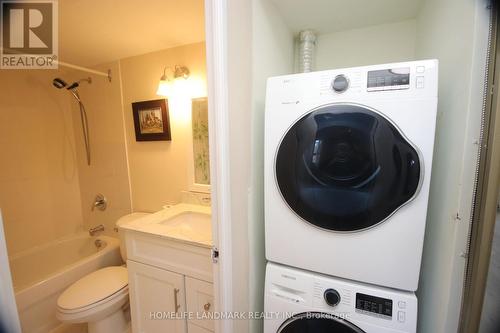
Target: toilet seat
108, 300
94, 296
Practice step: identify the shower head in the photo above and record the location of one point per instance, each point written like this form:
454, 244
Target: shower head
59, 83
77, 83
73, 86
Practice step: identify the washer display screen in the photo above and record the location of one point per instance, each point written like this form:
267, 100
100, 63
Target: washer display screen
389, 79
373, 304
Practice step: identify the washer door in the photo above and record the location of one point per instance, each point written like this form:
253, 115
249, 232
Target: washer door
317, 322
344, 167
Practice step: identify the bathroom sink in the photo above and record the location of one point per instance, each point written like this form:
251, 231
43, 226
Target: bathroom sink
189, 225
182, 222
188, 218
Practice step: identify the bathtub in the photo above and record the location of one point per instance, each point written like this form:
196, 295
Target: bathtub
41, 274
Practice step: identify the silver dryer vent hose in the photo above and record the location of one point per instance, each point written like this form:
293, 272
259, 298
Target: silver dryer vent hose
307, 45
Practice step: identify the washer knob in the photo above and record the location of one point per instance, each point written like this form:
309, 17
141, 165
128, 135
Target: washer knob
340, 83
332, 297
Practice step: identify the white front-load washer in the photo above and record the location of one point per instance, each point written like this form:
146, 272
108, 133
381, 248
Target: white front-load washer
348, 156
303, 302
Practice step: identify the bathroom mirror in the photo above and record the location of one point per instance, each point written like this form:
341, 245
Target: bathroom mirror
199, 159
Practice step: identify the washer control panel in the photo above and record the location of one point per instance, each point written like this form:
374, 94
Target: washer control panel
373, 304
388, 79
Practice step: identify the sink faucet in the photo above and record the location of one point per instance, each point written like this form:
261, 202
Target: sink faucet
95, 230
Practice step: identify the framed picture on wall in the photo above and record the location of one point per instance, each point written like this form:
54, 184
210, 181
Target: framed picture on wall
199, 161
151, 120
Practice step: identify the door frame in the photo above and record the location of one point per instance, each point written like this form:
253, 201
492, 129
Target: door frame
9, 316
218, 118
486, 196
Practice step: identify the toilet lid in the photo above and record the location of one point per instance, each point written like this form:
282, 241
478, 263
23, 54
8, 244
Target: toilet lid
94, 287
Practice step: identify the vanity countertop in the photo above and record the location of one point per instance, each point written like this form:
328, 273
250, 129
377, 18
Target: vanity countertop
183, 222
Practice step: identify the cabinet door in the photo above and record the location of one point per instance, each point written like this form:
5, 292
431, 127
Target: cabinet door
200, 302
156, 296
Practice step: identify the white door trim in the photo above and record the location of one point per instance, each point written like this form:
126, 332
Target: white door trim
9, 317
218, 117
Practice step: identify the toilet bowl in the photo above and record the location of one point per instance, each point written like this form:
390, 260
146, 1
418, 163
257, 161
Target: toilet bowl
100, 298
97, 299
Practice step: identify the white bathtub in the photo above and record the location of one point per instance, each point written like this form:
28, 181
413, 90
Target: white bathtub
41, 274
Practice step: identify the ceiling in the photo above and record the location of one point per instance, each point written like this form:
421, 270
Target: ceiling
93, 32
326, 16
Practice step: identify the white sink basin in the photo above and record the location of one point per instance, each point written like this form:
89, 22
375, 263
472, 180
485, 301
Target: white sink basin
185, 222
193, 226
189, 218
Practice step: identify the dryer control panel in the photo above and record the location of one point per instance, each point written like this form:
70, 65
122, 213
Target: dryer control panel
388, 79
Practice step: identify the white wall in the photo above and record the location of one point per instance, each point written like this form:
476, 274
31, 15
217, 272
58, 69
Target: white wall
453, 32
272, 54
239, 73
393, 42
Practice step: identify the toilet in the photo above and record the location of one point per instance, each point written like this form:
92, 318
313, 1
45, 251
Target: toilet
100, 298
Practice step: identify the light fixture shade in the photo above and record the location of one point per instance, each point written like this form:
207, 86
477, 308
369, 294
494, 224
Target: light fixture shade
163, 88
178, 87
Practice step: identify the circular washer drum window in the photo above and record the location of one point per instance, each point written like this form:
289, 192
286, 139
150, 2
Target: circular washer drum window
344, 167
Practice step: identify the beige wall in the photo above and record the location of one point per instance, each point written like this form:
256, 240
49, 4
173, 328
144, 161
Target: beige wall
159, 170
454, 32
39, 188
384, 43
272, 54
47, 188
108, 173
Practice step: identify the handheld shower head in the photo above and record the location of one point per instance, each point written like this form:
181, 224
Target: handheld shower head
73, 86
77, 83
59, 83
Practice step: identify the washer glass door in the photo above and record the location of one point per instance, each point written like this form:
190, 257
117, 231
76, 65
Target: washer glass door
345, 167
317, 322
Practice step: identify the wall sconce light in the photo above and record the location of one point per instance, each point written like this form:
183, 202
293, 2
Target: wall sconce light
179, 73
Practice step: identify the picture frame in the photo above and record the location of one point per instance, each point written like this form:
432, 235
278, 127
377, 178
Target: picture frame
151, 120
199, 160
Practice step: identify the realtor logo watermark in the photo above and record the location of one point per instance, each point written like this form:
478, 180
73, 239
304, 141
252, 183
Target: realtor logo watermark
29, 34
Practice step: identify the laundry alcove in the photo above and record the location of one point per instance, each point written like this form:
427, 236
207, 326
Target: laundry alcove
358, 33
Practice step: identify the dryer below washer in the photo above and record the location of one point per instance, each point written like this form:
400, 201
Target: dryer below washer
302, 301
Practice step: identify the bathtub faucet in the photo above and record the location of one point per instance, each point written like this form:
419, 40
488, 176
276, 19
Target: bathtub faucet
100, 202
95, 230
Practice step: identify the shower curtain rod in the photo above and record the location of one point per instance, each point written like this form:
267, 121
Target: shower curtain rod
85, 69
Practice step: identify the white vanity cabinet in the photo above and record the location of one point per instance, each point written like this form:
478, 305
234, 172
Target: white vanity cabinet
154, 292
200, 299
168, 278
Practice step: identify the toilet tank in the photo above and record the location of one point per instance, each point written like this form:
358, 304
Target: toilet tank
123, 220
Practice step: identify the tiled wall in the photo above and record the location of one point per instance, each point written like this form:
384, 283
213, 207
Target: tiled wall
108, 172
39, 187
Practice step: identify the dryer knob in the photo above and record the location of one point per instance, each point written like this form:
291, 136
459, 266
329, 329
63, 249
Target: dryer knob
332, 297
340, 83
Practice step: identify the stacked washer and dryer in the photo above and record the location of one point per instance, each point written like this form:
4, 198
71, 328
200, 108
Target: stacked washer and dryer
348, 156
